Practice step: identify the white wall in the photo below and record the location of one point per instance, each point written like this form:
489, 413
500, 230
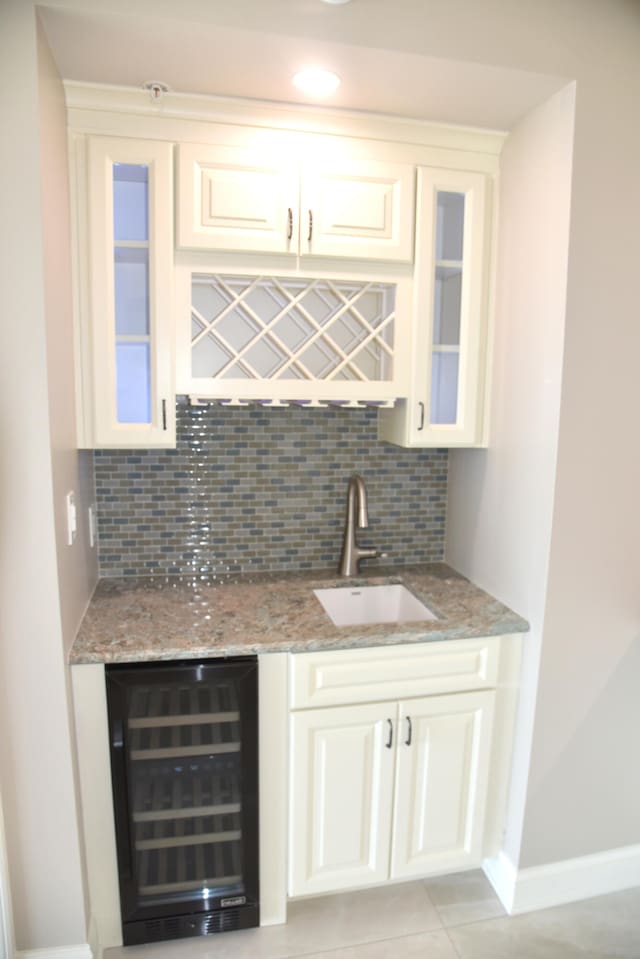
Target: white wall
71, 470
35, 626
584, 791
499, 516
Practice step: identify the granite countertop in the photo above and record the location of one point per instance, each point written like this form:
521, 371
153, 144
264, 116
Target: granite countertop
164, 618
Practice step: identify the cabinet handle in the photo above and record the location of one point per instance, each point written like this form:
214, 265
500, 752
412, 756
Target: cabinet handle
164, 414
117, 741
390, 739
310, 225
421, 426
289, 223
407, 741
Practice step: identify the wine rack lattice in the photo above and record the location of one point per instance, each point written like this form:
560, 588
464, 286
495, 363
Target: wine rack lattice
272, 328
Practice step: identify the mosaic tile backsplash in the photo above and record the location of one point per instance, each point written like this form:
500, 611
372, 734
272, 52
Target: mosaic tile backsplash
251, 489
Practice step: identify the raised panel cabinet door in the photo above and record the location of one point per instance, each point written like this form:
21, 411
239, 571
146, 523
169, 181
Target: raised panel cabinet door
342, 763
359, 209
230, 198
441, 783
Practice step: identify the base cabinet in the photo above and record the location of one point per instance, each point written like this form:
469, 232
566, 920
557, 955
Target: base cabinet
441, 783
342, 797
387, 790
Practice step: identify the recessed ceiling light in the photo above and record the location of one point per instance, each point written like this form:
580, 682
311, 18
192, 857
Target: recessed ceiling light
336, 1
316, 82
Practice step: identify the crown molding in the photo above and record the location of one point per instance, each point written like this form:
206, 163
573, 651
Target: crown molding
85, 98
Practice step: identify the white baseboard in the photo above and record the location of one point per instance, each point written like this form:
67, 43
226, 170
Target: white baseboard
540, 887
82, 951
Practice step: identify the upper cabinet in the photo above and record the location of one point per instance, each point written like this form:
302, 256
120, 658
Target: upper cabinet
445, 405
124, 232
237, 200
350, 266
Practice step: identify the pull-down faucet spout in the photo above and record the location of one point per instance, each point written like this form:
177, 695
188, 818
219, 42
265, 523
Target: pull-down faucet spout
351, 552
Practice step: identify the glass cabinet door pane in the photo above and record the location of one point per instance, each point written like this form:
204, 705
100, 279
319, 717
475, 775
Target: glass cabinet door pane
444, 388
131, 274
130, 202
133, 382
446, 308
450, 226
131, 292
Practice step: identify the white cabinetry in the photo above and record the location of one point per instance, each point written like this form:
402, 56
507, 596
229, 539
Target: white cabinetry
312, 261
442, 770
124, 242
239, 200
445, 406
342, 798
397, 787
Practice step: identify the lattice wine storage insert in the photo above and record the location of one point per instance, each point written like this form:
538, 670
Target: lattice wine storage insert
292, 334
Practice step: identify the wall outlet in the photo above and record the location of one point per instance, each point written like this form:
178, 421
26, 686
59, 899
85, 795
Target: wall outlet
72, 518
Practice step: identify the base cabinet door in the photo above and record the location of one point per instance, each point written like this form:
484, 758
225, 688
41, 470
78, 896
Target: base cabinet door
441, 783
341, 797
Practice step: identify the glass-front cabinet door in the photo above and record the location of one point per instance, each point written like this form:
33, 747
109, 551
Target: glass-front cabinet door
445, 406
129, 220
450, 309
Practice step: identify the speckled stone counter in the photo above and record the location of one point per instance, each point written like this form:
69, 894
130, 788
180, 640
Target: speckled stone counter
132, 620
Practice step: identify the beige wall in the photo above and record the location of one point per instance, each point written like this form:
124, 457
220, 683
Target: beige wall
501, 500
71, 470
35, 624
584, 792
583, 789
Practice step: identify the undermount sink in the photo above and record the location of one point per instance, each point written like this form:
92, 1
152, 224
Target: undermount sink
363, 605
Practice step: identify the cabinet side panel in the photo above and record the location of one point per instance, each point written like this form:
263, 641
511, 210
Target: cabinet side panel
274, 806
92, 735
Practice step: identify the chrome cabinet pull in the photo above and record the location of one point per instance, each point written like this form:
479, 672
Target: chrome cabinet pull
421, 405
407, 741
289, 223
310, 225
390, 739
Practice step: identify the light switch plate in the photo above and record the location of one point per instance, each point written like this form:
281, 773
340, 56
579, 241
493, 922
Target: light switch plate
92, 525
72, 518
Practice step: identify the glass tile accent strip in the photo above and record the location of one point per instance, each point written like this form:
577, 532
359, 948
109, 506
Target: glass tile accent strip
267, 328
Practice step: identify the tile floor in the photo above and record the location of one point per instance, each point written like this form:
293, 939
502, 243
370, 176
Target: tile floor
451, 917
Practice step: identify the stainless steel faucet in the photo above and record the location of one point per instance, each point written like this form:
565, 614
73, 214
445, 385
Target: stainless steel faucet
351, 552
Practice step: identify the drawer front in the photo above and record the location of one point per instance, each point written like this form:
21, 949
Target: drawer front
392, 672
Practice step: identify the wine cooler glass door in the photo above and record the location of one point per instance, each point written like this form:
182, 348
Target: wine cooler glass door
184, 752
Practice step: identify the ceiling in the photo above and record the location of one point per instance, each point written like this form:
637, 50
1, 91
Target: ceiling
238, 48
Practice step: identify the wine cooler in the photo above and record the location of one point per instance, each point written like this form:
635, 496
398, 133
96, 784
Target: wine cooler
184, 762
